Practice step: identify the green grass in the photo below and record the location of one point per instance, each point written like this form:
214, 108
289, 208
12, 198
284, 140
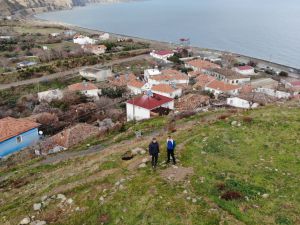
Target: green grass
260, 157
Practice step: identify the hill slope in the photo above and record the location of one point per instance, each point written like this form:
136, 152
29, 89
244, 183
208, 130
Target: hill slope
254, 166
8, 7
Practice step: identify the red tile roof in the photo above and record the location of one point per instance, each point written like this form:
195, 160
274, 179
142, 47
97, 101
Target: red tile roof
170, 75
165, 88
164, 52
202, 80
295, 83
11, 127
219, 85
136, 84
150, 103
82, 87
202, 64
245, 67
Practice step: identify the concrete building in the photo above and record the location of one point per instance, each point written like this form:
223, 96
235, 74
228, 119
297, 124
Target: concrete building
151, 72
229, 76
167, 90
104, 37
17, 134
241, 103
86, 88
169, 77
83, 40
144, 107
94, 74
245, 70
202, 66
136, 87
218, 87
162, 55
273, 93
49, 96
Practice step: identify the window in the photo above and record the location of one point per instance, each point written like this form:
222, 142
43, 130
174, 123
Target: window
19, 139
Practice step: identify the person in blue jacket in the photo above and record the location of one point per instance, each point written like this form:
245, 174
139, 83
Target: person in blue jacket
171, 144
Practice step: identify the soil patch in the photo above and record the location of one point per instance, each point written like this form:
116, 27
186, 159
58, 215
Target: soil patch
177, 174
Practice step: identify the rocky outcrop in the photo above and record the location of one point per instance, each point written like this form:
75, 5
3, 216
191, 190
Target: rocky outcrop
25, 7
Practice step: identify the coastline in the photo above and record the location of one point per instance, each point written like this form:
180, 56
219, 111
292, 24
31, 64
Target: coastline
32, 18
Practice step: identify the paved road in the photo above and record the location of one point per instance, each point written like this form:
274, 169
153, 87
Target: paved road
68, 72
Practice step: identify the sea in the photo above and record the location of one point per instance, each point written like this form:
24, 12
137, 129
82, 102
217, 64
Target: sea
265, 29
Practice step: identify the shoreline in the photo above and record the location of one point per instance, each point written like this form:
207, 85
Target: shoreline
262, 62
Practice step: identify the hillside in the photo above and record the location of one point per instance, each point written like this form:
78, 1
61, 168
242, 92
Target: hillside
235, 168
8, 7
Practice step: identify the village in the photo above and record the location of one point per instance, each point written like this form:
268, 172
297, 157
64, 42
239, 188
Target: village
101, 99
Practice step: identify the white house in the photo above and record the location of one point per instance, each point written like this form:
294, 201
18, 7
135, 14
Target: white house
201, 65
228, 76
135, 86
273, 93
50, 95
144, 107
245, 70
167, 90
169, 77
83, 40
241, 103
162, 55
86, 88
151, 72
104, 37
25, 64
218, 87
94, 74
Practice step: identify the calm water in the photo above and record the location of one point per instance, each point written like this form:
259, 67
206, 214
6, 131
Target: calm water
267, 29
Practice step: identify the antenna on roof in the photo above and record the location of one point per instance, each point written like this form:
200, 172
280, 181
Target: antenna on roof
149, 93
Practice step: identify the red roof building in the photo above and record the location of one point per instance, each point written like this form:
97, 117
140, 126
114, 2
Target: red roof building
140, 108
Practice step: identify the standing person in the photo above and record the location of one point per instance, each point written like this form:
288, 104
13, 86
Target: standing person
171, 144
153, 151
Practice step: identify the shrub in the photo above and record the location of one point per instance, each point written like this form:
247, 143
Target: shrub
231, 195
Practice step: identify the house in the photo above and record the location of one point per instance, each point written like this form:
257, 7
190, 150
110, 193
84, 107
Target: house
54, 34
49, 96
202, 80
146, 106
83, 40
94, 49
135, 86
169, 76
25, 64
122, 80
192, 102
218, 87
45, 48
151, 72
6, 37
95, 74
17, 134
292, 84
162, 55
273, 93
104, 37
70, 137
228, 76
241, 103
201, 65
86, 88
264, 83
245, 70
167, 90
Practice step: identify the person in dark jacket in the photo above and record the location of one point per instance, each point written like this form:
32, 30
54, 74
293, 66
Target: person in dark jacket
153, 151
171, 144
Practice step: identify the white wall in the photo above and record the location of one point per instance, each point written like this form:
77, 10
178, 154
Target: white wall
135, 90
177, 92
240, 103
274, 93
245, 72
136, 112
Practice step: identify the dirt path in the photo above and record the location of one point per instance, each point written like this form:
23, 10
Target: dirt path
72, 72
